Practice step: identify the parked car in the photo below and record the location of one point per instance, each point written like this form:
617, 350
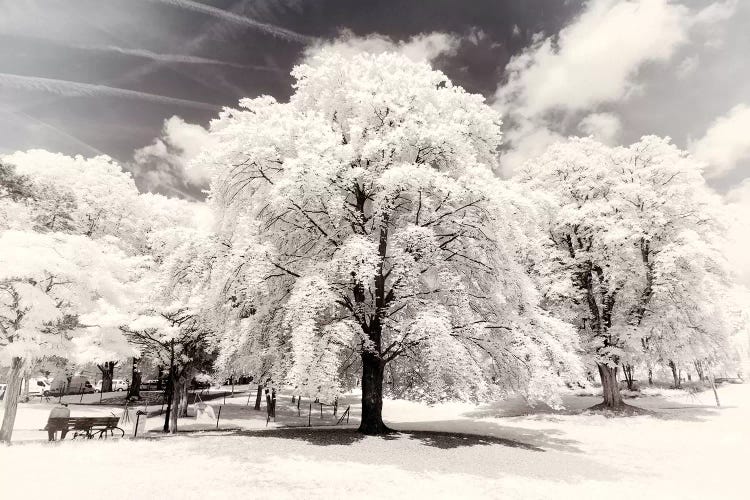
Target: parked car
39, 387
78, 385
117, 385
199, 384
149, 385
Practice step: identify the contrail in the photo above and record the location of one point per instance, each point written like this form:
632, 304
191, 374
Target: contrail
176, 58
78, 89
276, 31
44, 124
143, 53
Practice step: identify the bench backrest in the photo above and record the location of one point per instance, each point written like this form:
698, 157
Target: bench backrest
82, 423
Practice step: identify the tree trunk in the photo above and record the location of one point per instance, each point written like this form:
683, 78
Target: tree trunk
675, 375
178, 384
628, 370
184, 398
610, 389
713, 386
699, 370
372, 395
26, 387
259, 397
650, 376
11, 400
108, 373
134, 391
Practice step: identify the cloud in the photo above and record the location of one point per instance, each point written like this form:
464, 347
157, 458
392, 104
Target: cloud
165, 165
423, 47
604, 127
594, 60
726, 143
607, 56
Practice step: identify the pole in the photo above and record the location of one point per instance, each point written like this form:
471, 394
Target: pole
218, 417
309, 416
81, 389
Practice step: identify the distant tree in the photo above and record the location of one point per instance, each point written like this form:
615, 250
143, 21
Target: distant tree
636, 246
47, 282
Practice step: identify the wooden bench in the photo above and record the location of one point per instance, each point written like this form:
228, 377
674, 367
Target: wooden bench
89, 427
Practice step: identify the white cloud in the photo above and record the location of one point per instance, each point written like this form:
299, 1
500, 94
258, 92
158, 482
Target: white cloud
560, 83
423, 47
165, 165
726, 143
594, 60
604, 127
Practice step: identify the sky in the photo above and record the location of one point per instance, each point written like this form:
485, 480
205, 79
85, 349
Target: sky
139, 80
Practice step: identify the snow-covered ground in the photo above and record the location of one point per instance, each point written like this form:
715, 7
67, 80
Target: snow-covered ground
688, 449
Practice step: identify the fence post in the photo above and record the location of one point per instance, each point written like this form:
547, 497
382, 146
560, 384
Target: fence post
218, 417
309, 417
81, 389
321, 410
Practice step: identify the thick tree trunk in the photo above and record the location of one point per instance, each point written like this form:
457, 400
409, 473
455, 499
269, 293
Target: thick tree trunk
372, 395
108, 373
11, 400
134, 391
259, 397
675, 375
610, 389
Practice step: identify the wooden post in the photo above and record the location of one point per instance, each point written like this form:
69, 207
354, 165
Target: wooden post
248, 397
321, 410
81, 389
218, 417
713, 386
309, 417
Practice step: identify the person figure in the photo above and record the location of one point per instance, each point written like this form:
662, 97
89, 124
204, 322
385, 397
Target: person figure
59, 411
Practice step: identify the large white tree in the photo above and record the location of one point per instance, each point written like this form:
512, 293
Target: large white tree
362, 214
635, 242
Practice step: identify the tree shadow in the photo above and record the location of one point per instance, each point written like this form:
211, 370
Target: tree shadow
338, 436
486, 433
451, 440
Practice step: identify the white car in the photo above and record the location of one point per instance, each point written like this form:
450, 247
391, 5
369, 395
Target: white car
39, 386
117, 385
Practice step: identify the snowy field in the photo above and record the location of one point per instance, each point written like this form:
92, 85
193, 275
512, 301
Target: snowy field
687, 449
